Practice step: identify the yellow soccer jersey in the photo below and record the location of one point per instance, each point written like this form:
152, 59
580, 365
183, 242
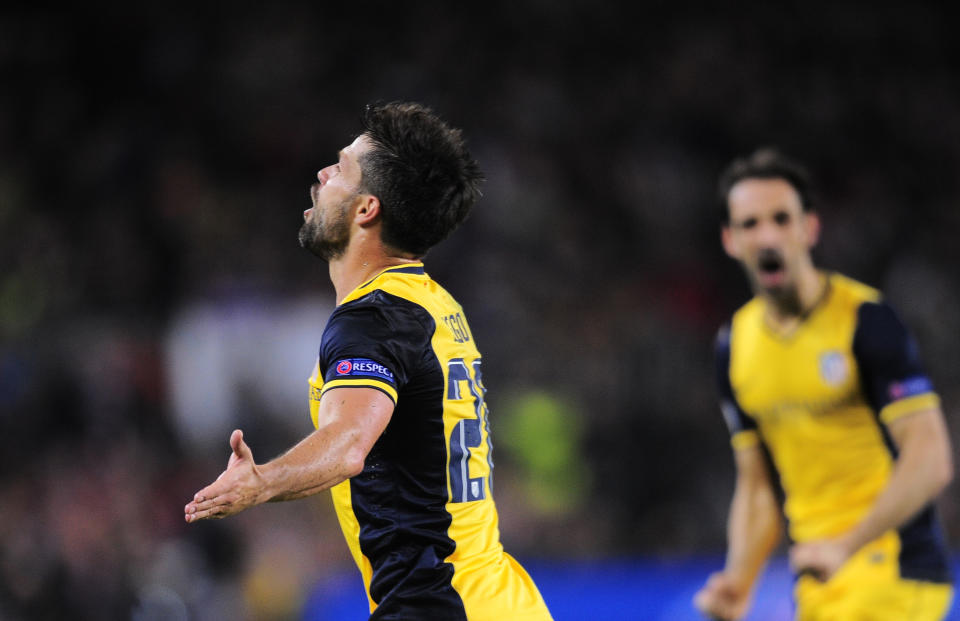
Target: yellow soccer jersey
819, 400
420, 519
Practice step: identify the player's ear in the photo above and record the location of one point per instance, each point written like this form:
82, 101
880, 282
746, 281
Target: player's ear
812, 225
729, 244
367, 210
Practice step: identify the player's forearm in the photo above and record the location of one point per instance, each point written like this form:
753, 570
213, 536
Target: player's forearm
350, 421
318, 462
922, 471
753, 531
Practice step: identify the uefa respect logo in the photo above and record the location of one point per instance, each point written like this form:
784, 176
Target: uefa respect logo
910, 387
353, 367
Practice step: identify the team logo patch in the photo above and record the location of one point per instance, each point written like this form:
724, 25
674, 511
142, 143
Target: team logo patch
833, 368
353, 367
910, 387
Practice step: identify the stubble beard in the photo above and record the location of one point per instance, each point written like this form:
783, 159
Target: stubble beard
787, 300
785, 297
327, 240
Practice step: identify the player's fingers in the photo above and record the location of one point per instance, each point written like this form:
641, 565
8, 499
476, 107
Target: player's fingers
706, 601
212, 513
216, 504
222, 500
716, 600
701, 600
817, 573
235, 439
798, 558
806, 560
240, 448
711, 590
800, 568
713, 611
209, 496
721, 611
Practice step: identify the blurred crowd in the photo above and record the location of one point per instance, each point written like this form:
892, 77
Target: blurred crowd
154, 166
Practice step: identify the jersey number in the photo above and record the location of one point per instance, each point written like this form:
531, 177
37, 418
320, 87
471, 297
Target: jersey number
467, 434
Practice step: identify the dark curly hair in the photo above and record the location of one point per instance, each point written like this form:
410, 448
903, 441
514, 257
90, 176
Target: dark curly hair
420, 169
764, 163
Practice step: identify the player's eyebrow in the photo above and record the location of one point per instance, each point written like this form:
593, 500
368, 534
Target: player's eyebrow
345, 158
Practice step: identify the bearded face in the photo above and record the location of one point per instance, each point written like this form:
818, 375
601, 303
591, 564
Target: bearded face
771, 235
326, 225
326, 231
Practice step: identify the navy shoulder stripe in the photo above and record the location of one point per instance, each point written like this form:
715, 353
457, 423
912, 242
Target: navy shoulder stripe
737, 420
889, 361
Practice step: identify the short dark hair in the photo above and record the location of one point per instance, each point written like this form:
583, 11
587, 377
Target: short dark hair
766, 163
420, 169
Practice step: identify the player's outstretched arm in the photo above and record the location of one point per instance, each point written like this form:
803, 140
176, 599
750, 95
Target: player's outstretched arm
923, 469
753, 530
350, 421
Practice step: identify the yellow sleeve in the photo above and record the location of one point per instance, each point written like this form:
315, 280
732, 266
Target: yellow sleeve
910, 405
744, 439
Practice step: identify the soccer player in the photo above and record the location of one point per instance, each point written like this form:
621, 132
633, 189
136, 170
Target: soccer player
831, 412
397, 395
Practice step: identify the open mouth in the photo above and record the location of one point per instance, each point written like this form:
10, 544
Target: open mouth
313, 199
770, 266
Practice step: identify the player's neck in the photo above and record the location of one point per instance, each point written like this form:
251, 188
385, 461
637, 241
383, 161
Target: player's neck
787, 311
364, 258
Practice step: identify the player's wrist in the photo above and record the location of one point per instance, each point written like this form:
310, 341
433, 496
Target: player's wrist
739, 580
264, 482
849, 543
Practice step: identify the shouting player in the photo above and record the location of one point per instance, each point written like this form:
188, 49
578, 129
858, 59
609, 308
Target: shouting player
831, 412
397, 395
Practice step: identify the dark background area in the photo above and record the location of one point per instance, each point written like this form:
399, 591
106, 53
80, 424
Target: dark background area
154, 166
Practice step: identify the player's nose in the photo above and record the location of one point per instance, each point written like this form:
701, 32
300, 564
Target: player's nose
323, 174
768, 234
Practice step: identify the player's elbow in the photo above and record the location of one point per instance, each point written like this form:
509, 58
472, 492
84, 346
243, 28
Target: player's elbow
353, 462
944, 471
942, 456
937, 470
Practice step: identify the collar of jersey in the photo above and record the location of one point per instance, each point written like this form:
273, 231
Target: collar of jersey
406, 268
821, 302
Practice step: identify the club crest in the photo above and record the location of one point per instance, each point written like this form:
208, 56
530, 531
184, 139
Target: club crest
833, 368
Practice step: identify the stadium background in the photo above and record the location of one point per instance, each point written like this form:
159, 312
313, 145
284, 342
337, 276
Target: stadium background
154, 164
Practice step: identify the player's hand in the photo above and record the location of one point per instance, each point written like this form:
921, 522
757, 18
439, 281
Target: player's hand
238, 487
723, 598
820, 559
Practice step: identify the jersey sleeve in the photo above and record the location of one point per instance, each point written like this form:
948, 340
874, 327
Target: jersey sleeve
371, 345
892, 375
743, 428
